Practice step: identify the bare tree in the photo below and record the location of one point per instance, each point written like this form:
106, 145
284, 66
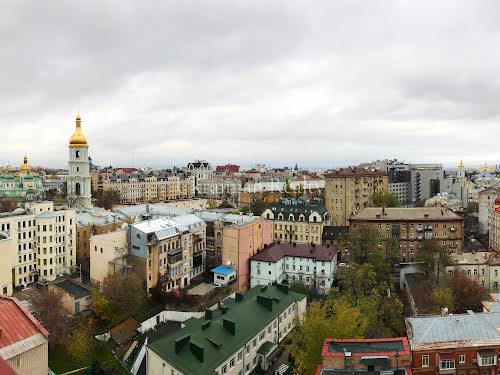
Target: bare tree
7, 204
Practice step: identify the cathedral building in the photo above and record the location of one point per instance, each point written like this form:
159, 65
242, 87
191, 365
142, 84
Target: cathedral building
22, 185
79, 182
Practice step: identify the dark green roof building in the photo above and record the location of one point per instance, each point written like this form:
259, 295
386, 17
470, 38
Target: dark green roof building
233, 339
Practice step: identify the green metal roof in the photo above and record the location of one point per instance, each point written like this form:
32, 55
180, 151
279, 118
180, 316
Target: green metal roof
204, 344
297, 208
266, 348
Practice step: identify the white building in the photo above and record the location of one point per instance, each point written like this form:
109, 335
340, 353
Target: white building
79, 182
43, 241
313, 265
231, 339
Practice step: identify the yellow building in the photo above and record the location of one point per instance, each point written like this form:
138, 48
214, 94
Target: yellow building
297, 220
411, 226
349, 190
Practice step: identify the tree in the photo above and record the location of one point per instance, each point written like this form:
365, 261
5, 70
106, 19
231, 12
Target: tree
7, 204
79, 343
357, 280
257, 206
106, 198
384, 199
287, 190
127, 293
212, 204
467, 293
103, 307
363, 241
336, 318
442, 298
434, 258
300, 287
49, 310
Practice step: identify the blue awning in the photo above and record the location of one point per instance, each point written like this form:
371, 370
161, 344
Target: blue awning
223, 270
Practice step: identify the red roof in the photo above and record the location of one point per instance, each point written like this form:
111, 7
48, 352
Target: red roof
16, 323
127, 170
228, 167
276, 251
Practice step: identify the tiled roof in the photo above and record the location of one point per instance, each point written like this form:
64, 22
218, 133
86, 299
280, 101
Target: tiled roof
406, 213
16, 323
276, 251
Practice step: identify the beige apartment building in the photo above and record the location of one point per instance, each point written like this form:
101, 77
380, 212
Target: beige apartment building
410, 226
168, 252
494, 227
43, 243
482, 266
6, 264
108, 255
349, 190
141, 188
297, 220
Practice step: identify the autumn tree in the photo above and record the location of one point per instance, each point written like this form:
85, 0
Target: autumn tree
363, 241
384, 199
434, 258
106, 198
468, 294
7, 204
257, 206
79, 344
49, 310
335, 318
127, 293
104, 308
442, 297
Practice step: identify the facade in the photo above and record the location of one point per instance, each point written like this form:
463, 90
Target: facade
297, 220
24, 342
455, 344
220, 188
148, 187
200, 170
315, 266
79, 182
43, 241
232, 339
372, 356
483, 267
75, 297
24, 185
494, 227
168, 253
349, 190
6, 263
108, 255
487, 198
412, 225
426, 181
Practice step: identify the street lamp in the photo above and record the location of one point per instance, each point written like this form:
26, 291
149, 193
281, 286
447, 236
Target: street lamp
397, 361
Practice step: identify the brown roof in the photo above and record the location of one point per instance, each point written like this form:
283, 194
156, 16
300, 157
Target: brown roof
276, 251
354, 172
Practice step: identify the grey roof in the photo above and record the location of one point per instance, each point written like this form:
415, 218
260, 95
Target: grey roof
96, 217
154, 209
227, 218
406, 213
471, 329
76, 290
46, 215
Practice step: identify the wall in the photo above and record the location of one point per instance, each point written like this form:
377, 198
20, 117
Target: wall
32, 362
105, 248
6, 263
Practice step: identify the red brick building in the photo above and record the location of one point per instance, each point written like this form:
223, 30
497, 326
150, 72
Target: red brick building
463, 344
375, 356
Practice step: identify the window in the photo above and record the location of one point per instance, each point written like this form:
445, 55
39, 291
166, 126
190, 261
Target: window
231, 363
487, 361
461, 358
224, 369
425, 361
447, 364
240, 356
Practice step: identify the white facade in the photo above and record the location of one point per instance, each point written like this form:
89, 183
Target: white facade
43, 242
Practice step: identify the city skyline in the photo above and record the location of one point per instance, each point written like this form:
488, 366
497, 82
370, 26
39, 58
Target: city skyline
329, 85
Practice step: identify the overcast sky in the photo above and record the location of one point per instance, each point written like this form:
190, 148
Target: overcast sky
320, 83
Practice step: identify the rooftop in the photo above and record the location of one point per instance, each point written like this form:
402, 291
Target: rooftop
354, 172
223, 270
203, 344
406, 213
365, 346
72, 288
453, 331
276, 251
334, 232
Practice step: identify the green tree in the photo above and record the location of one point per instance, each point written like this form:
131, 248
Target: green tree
384, 199
212, 204
336, 318
287, 190
300, 287
257, 206
127, 293
79, 344
106, 198
363, 241
357, 280
434, 259
442, 297
103, 307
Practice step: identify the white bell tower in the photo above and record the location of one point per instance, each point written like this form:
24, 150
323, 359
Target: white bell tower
78, 182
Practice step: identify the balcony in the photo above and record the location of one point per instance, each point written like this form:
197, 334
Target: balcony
428, 227
486, 358
175, 250
174, 258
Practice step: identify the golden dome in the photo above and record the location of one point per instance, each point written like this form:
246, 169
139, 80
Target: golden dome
25, 168
78, 139
461, 165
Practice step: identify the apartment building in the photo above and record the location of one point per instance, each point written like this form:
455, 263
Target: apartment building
494, 227
148, 187
168, 252
487, 198
220, 188
108, 255
465, 344
410, 226
426, 181
349, 190
24, 342
232, 339
6, 264
482, 266
365, 356
200, 170
297, 220
312, 265
43, 242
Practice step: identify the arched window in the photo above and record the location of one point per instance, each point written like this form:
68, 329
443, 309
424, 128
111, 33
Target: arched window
78, 189
77, 154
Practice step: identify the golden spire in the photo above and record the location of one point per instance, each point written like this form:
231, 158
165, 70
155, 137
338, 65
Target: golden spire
78, 139
25, 168
461, 165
